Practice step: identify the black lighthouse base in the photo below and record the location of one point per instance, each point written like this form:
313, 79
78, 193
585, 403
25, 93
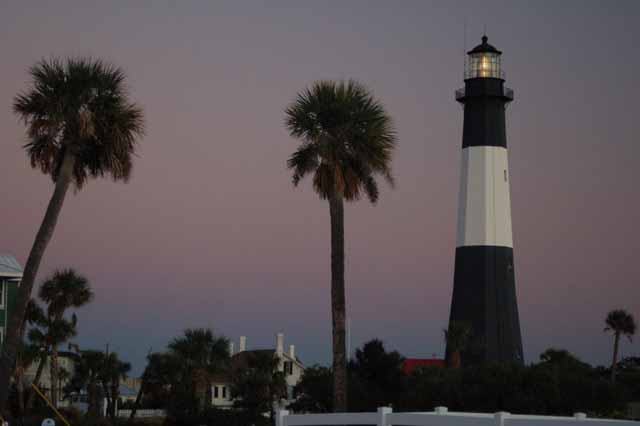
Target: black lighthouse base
484, 297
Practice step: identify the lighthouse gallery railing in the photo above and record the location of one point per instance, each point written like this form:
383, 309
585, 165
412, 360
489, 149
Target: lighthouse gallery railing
507, 93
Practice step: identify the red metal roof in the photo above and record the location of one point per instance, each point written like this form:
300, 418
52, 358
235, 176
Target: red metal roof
410, 364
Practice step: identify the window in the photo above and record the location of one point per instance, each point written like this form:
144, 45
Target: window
1, 335
215, 392
2, 293
505, 175
288, 368
224, 392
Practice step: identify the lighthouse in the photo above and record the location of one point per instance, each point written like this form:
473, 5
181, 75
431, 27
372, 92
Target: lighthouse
484, 293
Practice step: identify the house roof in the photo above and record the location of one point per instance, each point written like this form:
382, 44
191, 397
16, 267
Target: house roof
9, 266
484, 47
411, 364
241, 360
126, 391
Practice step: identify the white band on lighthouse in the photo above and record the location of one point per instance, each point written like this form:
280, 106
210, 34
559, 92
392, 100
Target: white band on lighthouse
484, 204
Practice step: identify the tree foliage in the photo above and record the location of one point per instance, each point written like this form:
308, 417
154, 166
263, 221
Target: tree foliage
559, 384
257, 384
312, 394
80, 106
180, 378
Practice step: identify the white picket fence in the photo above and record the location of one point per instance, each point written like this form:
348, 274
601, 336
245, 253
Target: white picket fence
145, 413
440, 417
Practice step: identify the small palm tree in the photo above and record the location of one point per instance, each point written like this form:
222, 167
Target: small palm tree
457, 339
46, 336
63, 290
28, 353
113, 371
80, 125
258, 384
202, 354
620, 322
87, 374
347, 140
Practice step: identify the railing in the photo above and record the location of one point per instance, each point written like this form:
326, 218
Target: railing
440, 417
506, 92
145, 413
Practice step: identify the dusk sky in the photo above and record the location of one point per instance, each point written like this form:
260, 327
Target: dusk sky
210, 232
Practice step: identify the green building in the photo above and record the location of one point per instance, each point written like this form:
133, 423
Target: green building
10, 275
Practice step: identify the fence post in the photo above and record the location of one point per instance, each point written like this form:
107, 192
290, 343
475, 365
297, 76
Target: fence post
280, 415
382, 415
441, 410
500, 417
579, 416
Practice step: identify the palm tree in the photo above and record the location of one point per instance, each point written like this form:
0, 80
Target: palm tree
27, 353
457, 338
162, 378
202, 355
347, 139
620, 322
113, 371
80, 124
257, 384
87, 375
49, 335
63, 290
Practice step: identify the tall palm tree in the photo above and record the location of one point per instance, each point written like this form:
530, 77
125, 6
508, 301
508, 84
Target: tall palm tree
347, 140
202, 354
457, 339
80, 124
620, 322
63, 290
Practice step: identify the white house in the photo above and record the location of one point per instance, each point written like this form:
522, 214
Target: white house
10, 276
288, 363
66, 365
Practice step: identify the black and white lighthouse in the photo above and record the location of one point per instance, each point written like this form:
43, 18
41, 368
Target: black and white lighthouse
484, 294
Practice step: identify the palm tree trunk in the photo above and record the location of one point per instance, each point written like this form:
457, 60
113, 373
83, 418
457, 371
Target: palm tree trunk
115, 395
92, 397
456, 361
616, 343
53, 370
40, 243
138, 399
338, 306
20, 387
107, 395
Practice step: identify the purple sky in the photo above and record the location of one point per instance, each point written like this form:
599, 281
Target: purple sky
210, 231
